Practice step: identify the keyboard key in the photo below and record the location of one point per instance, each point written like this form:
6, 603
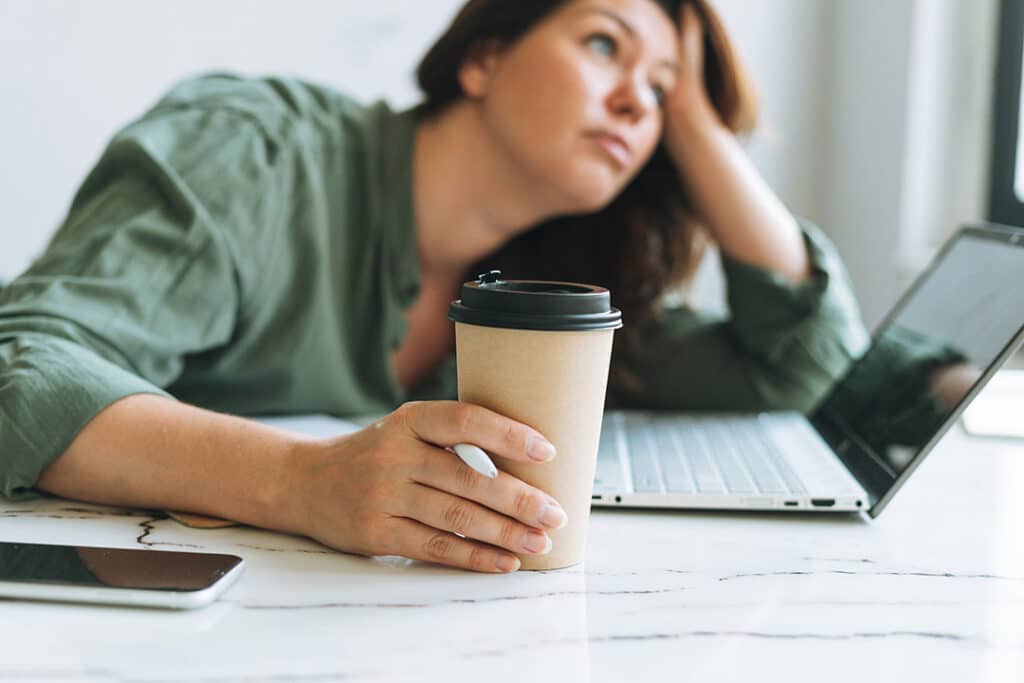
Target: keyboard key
642, 456
705, 474
726, 457
608, 476
768, 466
707, 455
674, 472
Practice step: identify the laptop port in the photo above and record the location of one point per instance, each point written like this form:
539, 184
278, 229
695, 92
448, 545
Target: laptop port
791, 504
823, 502
596, 497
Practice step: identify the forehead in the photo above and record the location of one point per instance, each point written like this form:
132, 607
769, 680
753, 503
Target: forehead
653, 28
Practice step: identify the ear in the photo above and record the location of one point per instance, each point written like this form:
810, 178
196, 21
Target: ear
478, 69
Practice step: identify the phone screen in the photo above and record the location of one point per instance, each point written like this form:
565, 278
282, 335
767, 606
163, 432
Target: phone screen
133, 568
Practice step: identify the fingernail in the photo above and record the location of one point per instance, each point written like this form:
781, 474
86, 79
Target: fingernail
537, 543
507, 563
540, 449
552, 516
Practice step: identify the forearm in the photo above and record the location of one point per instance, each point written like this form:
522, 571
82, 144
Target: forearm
743, 214
152, 452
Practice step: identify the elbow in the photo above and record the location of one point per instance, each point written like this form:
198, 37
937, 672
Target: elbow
801, 380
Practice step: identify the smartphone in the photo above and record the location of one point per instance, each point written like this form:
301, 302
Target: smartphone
115, 576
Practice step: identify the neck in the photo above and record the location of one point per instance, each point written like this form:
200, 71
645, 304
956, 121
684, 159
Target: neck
470, 198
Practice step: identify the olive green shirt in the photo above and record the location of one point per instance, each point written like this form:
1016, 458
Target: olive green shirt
249, 246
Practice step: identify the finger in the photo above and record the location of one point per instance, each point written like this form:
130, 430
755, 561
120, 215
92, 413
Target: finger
420, 542
446, 423
692, 37
690, 20
442, 510
505, 494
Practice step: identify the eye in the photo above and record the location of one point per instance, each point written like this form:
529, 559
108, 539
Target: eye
603, 44
659, 94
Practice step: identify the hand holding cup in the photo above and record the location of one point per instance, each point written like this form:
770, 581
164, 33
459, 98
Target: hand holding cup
394, 488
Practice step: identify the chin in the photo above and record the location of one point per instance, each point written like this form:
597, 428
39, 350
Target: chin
590, 192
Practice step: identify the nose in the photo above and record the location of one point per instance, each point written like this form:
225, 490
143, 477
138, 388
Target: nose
632, 98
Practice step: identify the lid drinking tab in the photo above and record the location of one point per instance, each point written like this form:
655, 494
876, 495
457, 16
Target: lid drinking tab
490, 278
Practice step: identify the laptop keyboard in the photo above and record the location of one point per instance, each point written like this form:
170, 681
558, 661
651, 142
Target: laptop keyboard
674, 455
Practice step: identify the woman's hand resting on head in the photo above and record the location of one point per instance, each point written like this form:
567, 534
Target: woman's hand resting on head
394, 489
688, 103
740, 212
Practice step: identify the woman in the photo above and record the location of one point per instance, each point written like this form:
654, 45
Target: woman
270, 246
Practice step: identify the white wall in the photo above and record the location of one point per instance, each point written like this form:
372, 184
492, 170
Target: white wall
784, 44
72, 73
948, 131
874, 123
906, 149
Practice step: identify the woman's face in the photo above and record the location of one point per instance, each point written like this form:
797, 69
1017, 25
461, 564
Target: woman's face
575, 103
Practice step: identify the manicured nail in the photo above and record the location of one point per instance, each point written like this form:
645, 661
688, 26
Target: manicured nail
537, 543
540, 449
507, 563
552, 516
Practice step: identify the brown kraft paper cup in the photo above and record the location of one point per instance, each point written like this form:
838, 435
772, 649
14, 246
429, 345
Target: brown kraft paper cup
554, 381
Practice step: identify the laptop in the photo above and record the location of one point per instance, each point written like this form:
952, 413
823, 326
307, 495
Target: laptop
927, 360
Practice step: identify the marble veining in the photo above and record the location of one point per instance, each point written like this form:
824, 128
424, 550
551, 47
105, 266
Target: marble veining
935, 575
929, 591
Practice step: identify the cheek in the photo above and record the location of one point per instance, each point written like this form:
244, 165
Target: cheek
553, 90
539, 110
573, 77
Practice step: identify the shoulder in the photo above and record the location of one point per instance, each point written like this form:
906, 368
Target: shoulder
232, 118
275, 104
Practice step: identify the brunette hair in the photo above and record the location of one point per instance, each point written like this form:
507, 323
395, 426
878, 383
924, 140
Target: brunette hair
644, 243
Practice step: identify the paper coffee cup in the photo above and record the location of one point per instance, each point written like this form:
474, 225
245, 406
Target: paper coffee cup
539, 352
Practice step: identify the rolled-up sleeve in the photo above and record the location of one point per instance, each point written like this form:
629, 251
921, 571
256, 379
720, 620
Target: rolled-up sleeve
49, 389
780, 347
137, 278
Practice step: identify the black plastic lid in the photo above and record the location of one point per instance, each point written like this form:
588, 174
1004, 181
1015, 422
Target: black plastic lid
534, 305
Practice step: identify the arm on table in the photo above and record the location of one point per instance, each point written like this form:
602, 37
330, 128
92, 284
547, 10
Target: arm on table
147, 451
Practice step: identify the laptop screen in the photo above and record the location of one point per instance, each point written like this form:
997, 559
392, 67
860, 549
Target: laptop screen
932, 354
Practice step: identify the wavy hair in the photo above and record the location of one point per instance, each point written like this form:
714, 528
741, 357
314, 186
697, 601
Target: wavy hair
647, 241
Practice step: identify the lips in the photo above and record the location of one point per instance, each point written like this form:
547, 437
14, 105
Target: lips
614, 146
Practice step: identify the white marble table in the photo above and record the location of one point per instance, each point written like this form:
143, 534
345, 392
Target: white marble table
931, 591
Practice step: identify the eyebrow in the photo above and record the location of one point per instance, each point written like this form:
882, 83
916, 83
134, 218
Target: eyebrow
628, 28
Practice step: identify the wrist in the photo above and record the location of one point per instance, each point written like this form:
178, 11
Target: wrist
282, 500
689, 130
692, 120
